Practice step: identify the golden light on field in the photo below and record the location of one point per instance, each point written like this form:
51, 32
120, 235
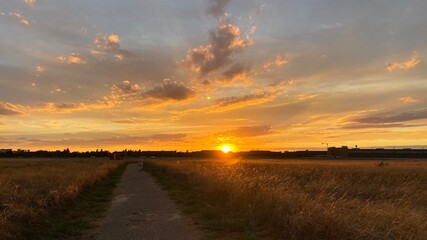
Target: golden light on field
226, 149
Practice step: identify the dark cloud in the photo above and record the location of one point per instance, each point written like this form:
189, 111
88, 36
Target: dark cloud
7, 109
67, 106
370, 125
216, 8
249, 131
389, 117
170, 90
235, 71
224, 41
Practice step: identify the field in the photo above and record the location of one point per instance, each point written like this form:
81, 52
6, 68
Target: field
31, 190
300, 199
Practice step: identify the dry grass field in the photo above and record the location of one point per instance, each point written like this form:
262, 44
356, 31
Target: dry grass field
303, 199
31, 188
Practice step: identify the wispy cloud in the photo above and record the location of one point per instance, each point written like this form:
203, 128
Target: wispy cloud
390, 117
72, 58
405, 65
249, 131
18, 17
9, 109
279, 61
408, 99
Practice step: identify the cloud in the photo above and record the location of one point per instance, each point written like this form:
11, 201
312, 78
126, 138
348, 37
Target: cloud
381, 125
18, 16
24, 22
73, 58
108, 47
249, 131
408, 100
109, 41
29, 2
236, 71
126, 89
224, 41
216, 8
389, 117
107, 141
170, 90
257, 96
229, 103
279, 61
406, 65
8, 109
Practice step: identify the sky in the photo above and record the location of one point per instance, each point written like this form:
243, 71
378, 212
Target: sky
199, 74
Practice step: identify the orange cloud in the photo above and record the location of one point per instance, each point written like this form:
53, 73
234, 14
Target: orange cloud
408, 100
279, 61
21, 19
109, 41
125, 90
406, 65
223, 43
73, 58
9, 109
29, 2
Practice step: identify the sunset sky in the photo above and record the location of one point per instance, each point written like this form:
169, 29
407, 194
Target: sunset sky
198, 74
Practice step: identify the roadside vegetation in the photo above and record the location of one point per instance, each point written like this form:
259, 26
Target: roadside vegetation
54, 198
301, 199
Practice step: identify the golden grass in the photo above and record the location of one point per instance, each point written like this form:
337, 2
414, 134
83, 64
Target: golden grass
312, 199
31, 188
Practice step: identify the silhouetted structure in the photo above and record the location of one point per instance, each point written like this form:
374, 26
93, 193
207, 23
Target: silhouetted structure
333, 152
342, 152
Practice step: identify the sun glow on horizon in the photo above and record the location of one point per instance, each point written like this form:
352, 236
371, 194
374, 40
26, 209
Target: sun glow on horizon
226, 149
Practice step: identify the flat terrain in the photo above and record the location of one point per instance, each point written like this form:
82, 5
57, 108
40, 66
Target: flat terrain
300, 199
141, 210
33, 190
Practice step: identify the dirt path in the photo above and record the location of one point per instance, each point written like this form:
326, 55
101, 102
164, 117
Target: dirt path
141, 210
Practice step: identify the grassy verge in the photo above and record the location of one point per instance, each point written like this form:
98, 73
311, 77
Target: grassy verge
72, 221
54, 198
211, 217
257, 199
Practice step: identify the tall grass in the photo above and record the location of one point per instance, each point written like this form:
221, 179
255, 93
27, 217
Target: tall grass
31, 189
311, 199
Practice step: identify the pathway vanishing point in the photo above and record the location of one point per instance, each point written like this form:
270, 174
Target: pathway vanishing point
141, 210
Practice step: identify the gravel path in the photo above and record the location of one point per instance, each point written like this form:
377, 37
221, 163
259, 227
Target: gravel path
141, 210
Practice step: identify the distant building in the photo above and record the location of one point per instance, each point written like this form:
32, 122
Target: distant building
342, 152
115, 156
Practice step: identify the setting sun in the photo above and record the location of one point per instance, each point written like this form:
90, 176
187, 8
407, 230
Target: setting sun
225, 149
